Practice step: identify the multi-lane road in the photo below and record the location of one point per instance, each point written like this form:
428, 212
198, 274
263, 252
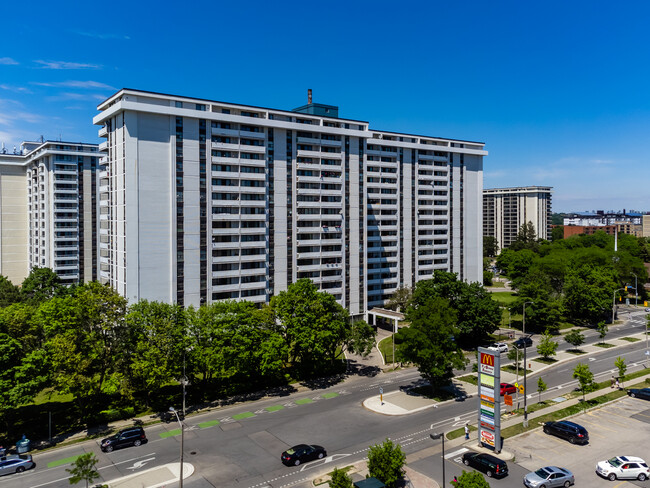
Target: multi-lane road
240, 446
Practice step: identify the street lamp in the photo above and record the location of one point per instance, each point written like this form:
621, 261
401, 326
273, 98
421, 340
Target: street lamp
171, 409
614, 304
525, 366
636, 291
436, 437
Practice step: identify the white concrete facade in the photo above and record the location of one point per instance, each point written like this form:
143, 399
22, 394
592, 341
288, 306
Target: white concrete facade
203, 201
505, 210
49, 210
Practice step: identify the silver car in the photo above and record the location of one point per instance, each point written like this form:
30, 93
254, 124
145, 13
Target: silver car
15, 464
549, 477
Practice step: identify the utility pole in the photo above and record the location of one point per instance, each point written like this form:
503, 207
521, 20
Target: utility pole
525, 367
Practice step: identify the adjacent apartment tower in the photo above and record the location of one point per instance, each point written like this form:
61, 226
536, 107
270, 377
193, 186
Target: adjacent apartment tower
505, 210
203, 200
48, 213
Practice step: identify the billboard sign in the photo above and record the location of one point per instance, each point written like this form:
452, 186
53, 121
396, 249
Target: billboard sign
489, 402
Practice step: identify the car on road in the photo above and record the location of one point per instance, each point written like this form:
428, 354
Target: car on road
549, 477
572, 432
133, 436
500, 347
639, 393
523, 342
492, 466
623, 467
507, 388
302, 453
15, 463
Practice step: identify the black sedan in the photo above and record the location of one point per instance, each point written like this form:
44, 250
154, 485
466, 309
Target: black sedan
523, 342
302, 453
572, 432
639, 393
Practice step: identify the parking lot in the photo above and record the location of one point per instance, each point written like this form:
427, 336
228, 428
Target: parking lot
618, 429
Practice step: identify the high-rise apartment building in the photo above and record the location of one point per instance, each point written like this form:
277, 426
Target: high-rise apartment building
203, 200
505, 210
49, 210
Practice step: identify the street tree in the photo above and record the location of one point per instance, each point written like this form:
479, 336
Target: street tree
430, 341
602, 330
386, 463
470, 479
514, 354
340, 479
575, 338
84, 469
547, 347
490, 247
541, 388
622, 368
585, 378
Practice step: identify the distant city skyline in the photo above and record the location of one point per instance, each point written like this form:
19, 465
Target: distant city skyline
568, 110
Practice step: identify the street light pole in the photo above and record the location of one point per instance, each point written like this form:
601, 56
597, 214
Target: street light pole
614, 304
171, 409
636, 291
525, 367
436, 437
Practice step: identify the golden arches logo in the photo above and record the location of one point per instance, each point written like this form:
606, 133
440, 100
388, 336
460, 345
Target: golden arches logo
487, 359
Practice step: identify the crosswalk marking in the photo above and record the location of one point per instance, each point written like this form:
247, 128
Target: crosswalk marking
456, 453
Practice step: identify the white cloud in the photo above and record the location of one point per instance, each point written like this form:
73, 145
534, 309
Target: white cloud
17, 89
76, 96
66, 65
75, 84
8, 61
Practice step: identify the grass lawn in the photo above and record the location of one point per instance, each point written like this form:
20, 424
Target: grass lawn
546, 360
630, 339
604, 345
498, 284
458, 432
48, 395
509, 368
504, 297
469, 378
386, 348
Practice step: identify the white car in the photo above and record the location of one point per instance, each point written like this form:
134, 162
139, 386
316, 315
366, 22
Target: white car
500, 347
624, 467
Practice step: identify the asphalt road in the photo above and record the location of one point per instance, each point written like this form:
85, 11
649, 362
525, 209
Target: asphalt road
239, 446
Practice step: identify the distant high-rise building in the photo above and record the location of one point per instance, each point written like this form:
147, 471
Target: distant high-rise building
204, 200
505, 210
48, 216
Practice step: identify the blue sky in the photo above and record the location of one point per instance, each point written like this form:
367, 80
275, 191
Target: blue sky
558, 91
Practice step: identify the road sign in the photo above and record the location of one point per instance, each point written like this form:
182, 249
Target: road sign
521, 389
381, 390
507, 399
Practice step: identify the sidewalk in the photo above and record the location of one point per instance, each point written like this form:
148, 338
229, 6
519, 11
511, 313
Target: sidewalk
157, 477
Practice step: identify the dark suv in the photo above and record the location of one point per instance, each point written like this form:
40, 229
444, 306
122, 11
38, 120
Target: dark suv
523, 342
572, 432
133, 436
490, 465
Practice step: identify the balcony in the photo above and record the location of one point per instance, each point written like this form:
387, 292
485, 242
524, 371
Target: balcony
103, 146
103, 132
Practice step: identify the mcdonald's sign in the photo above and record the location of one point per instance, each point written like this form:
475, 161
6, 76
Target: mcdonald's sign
487, 363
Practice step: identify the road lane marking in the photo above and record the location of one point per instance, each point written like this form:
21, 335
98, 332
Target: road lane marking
456, 452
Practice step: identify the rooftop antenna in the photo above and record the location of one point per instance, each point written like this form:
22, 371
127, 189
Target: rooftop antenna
4, 149
42, 139
309, 96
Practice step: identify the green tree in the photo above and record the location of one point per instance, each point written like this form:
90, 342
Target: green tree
547, 347
526, 238
41, 284
487, 278
361, 339
514, 355
585, 378
429, 342
602, 329
340, 479
490, 246
386, 462
470, 479
541, 388
622, 368
9, 293
557, 233
315, 325
84, 469
587, 293
575, 338
400, 298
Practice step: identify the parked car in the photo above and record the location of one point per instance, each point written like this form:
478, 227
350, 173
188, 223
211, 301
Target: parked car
523, 342
507, 388
639, 393
549, 477
490, 465
15, 463
572, 432
302, 453
500, 347
133, 436
624, 467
